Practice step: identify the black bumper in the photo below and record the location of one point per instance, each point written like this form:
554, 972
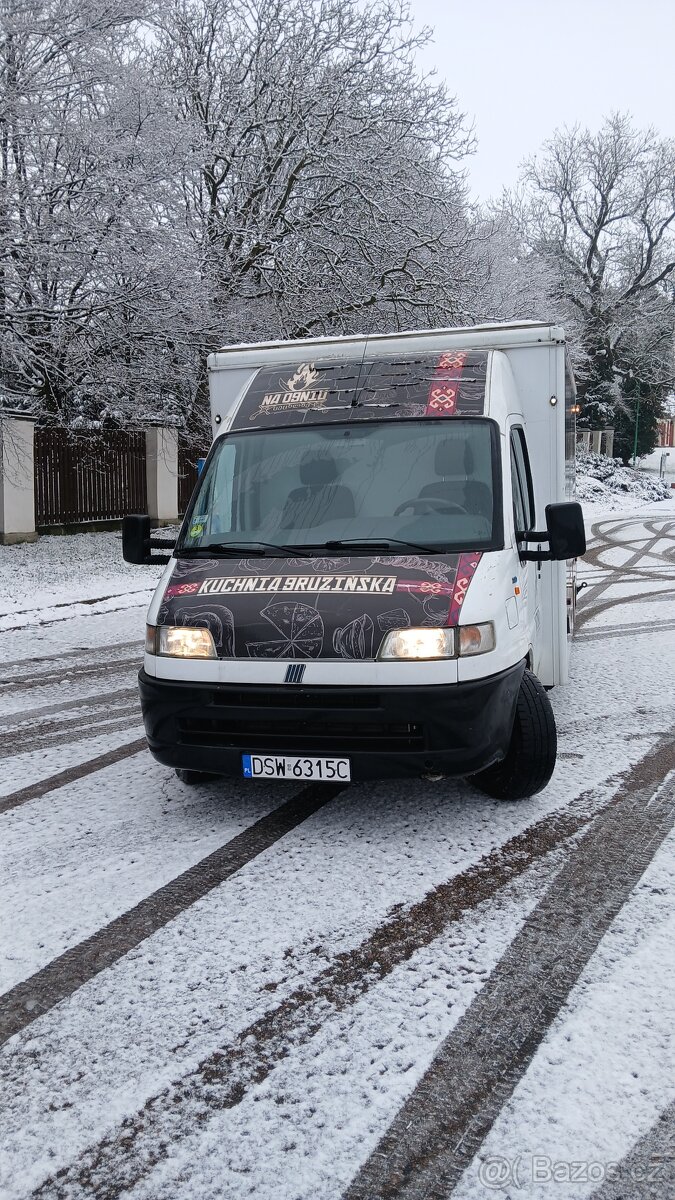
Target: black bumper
386, 732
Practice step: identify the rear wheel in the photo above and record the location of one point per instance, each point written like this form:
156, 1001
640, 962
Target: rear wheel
191, 777
531, 755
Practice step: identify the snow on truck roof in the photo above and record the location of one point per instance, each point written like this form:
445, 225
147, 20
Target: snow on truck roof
495, 336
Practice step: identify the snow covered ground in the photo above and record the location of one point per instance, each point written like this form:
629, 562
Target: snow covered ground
177, 1024
61, 577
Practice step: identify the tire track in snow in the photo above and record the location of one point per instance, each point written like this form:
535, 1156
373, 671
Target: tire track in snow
608, 533
96, 723
585, 614
73, 609
22, 612
15, 720
73, 731
605, 541
590, 607
71, 970
36, 729
71, 674
20, 664
627, 630
124, 1157
440, 1128
35, 791
595, 590
648, 1170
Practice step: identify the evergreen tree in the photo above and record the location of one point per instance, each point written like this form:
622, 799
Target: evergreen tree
639, 404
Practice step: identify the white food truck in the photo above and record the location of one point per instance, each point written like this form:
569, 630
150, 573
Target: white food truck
375, 574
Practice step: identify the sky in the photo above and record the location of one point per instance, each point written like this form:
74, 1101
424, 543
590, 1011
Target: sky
521, 69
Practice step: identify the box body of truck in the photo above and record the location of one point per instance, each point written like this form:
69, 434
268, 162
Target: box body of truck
366, 556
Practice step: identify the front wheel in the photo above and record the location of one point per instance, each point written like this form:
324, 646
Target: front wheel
191, 777
531, 755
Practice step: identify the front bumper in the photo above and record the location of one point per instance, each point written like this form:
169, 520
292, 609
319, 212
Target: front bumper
386, 732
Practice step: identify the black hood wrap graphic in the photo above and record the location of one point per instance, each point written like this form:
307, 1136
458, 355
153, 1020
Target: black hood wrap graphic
315, 608
433, 385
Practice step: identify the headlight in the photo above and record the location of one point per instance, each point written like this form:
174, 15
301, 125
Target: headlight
419, 643
179, 641
476, 639
438, 643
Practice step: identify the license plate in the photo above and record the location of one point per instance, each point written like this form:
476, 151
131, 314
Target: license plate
278, 766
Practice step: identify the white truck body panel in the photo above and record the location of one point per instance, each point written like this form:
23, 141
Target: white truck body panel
526, 384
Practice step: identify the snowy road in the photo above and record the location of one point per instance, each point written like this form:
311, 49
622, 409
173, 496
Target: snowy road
294, 993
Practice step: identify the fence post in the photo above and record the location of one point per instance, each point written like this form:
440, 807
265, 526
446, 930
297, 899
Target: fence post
161, 467
17, 479
608, 435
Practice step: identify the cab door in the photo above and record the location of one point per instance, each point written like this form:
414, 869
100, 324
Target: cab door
527, 587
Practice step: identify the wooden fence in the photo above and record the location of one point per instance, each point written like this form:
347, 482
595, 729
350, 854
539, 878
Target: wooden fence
90, 477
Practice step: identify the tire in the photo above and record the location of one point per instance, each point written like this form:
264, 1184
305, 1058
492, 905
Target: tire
192, 777
530, 758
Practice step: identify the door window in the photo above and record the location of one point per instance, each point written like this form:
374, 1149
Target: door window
521, 482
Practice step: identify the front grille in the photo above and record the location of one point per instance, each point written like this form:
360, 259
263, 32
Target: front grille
293, 697
299, 735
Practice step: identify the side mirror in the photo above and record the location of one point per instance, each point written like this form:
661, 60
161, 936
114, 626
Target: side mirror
566, 533
138, 543
136, 539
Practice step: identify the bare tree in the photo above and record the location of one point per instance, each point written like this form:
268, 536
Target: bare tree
600, 210
92, 261
323, 186
178, 174
507, 281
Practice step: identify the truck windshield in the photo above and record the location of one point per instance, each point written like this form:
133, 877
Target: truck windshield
425, 482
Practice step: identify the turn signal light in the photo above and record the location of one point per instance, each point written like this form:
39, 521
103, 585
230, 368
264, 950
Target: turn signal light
476, 639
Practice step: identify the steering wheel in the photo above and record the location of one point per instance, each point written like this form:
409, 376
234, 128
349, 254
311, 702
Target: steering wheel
425, 505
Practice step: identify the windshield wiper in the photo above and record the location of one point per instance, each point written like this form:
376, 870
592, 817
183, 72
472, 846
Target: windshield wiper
239, 548
377, 544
